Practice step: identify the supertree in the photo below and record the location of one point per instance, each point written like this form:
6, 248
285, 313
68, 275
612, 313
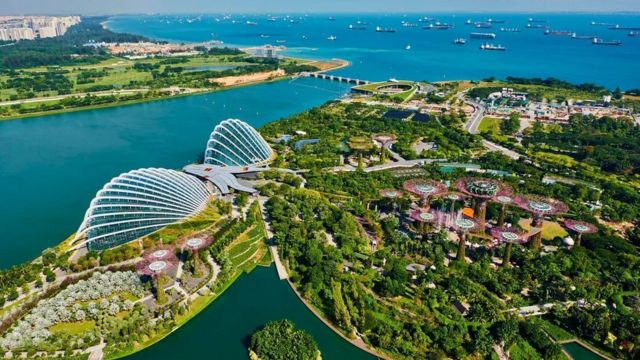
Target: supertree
482, 190
539, 207
422, 217
464, 225
194, 245
156, 269
384, 140
454, 196
425, 189
504, 201
390, 193
508, 236
581, 228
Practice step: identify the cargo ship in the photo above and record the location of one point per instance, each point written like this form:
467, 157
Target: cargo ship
332, 38
477, 35
495, 21
536, 26
532, 20
634, 34
483, 25
459, 41
357, 27
583, 37
559, 32
385, 30
509, 30
439, 26
618, 27
598, 41
492, 47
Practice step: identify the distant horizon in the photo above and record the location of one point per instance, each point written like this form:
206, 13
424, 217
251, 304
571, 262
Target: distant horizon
335, 13
187, 7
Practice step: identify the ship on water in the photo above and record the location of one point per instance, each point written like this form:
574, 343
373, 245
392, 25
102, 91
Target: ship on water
583, 37
478, 35
509, 30
598, 41
385, 30
633, 34
618, 27
357, 27
496, 21
408, 24
332, 38
460, 41
483, 25
492, 47
601, 24
537, 26
559, 32
532, 20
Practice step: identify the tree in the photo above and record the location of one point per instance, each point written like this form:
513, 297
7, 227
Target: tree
280, 340
511, 125
505, 332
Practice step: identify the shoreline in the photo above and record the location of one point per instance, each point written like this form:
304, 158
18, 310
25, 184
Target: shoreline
342, 64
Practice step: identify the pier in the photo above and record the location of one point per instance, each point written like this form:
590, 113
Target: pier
319, 75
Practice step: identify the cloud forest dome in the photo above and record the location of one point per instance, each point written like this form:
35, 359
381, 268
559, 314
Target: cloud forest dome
138, 203
235, 143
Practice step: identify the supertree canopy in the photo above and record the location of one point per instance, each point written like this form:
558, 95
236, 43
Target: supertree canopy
581, 228
508, 236
159, 253
426, 189
540, 207
390, 193
423, 217
464, 225
155, 268
197, 243
482, 188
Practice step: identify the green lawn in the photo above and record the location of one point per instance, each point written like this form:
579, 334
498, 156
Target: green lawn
556, 332
550, 230
490, 125
522, 350
74, 328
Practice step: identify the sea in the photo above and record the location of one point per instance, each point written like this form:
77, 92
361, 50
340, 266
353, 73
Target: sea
414, 53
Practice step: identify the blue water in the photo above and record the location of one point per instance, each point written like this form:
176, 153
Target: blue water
51, 167
379, 56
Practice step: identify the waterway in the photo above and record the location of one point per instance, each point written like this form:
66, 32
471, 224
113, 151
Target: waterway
579, 352
223, 329
51, 167
432, 56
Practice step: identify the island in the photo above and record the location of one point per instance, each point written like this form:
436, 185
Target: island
280, 340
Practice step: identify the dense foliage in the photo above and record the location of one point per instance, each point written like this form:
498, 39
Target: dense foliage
280, 340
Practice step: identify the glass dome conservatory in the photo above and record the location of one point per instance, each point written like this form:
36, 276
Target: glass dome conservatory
235, 143
138, 203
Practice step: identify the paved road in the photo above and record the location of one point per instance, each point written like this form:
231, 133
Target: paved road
61, 97
495, 147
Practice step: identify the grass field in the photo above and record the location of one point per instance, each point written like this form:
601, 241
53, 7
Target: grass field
556, 332
74, 328
550, 230
522, 350
490, 125
249, 248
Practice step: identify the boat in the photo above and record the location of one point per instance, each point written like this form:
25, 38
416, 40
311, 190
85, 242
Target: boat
582, 37
477, 35
495, 21
304, 37
468, 22
532, 20
252, 23
385, 30
492, 47
332, 38
559, 32
509, 30
618, 27
633, 34
536, 26
357, 27
272, 19
264, 36
483, 25
459, 41
281, 41
331, 18
408, 24
408, 47
439, 26
598, 41
601, 24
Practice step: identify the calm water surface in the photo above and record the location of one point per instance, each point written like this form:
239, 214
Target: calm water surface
222, 330
433, 56
51, 167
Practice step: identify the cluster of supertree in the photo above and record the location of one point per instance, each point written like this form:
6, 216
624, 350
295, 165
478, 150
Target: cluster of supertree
155, 263
193, 246
482, 191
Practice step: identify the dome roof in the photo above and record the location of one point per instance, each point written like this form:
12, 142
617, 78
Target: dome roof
235, 143
138, 203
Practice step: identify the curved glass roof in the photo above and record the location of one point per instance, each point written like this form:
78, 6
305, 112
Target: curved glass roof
138, 203
235, 143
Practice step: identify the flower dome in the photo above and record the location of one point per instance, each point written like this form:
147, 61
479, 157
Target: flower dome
138, 203
235, 143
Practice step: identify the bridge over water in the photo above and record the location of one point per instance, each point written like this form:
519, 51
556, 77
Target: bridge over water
319, 75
